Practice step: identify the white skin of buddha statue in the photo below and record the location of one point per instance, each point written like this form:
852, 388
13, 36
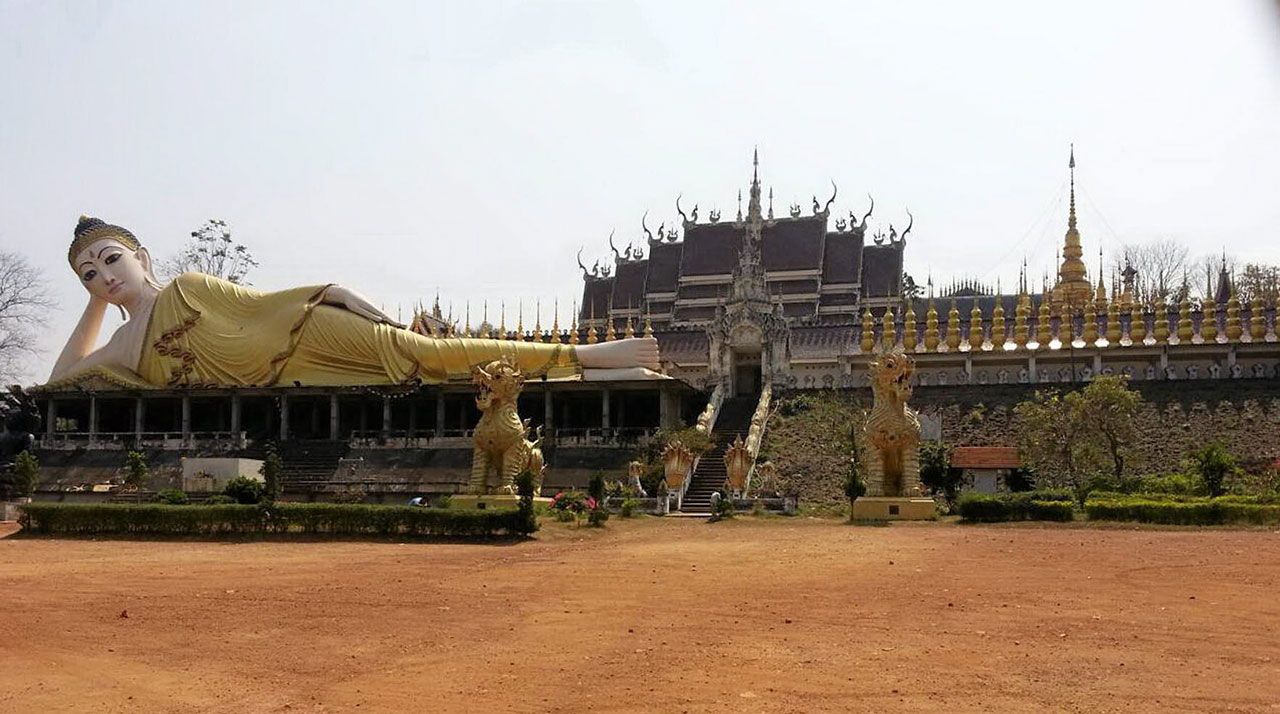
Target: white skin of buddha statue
114, 273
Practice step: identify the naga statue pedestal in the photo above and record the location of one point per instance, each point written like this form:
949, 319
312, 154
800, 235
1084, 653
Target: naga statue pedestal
894, 508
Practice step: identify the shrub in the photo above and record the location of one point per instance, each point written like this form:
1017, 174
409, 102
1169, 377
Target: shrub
628, 507
936, 473
1184, 483
1198, 512
1025, 506
244, 490
722, 507
272, 466
219, 500
1213, 463
279, 518
26, 474
528, 516
135, 470
172, 497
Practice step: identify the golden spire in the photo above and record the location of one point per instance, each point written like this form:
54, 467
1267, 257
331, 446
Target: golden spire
610, 334
555, 324
1185, 330
502, 321
630, 330
520, 321
909, 327
868, 341
1113, 324
592, 336
931, 328
1208, 319
1160, 327
1020, 313
1066, 324
953, 327
1234, 328
466, 332
1257, 320
573, 331
998, 334
484, 322
888, 330
1137, 323
1090, 332
537, 320
975, 327
648, 325
1073, 283
1044, 332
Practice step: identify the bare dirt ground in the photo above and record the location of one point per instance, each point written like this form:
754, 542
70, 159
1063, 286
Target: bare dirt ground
661, 615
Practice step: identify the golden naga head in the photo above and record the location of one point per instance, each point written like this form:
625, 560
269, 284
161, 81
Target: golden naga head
499, 381
891, 374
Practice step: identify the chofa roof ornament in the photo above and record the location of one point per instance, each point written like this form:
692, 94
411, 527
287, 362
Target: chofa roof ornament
825, 210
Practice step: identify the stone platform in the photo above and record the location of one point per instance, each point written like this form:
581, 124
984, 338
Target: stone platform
892, 508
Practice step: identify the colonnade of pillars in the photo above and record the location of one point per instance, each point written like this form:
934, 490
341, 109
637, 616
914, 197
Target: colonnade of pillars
231, 413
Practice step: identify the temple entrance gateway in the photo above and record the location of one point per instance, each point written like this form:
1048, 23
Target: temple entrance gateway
747, 374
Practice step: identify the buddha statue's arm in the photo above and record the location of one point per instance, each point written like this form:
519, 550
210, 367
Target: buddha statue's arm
78, 354
348, 299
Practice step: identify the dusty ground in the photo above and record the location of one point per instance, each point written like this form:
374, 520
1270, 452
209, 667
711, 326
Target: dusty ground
663, 615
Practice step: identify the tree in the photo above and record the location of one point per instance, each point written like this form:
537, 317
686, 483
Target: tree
936, 472
1109, 410
24, 303
272, 466
1070, 440
1257, 280
1214, 464
135, 470
1161, 265
212, 252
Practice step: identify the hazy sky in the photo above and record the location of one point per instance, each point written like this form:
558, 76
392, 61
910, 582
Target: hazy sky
401, 148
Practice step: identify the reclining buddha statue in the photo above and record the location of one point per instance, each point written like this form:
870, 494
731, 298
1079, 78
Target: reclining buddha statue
202, 331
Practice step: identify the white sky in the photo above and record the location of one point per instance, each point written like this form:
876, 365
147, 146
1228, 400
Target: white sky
403, 147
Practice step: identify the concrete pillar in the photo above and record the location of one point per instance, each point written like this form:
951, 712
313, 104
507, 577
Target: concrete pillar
333, 417
186, 418
51, 417
668, 408
439, 413
1097, 364
1032, 376
284, 417
386, 415
548, 410
604, 409
364, 416
139, 417
93, 418
236, 421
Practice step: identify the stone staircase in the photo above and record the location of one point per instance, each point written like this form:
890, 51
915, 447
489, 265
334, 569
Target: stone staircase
733, 420
309, 462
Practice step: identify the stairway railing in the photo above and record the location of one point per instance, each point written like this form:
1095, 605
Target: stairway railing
706, 422
755, 436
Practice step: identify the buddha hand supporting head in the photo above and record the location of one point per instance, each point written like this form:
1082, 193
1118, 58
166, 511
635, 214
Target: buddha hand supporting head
110, 261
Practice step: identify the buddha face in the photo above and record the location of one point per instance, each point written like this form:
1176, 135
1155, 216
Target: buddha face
114, 272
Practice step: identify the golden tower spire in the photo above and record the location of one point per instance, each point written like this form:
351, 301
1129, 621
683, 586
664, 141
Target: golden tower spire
520, 321
1073, 284
931, 327
975, 327
593, 336
1044, 333
484, 322
868, 341
555, 323
1208, 319
1137, 323
573, 330
953, 327
888, 331
1234, 327
909, 327
998, 334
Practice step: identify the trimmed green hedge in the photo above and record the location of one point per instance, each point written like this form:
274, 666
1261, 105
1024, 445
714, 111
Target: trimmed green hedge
1026, 506
1204, 512
1182, 498
277, 518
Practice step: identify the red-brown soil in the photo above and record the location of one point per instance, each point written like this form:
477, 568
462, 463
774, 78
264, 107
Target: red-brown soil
661, 615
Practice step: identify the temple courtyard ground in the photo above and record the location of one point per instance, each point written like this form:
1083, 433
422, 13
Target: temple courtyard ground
671, 615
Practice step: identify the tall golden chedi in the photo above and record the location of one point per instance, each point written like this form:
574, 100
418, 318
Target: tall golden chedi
1073, 286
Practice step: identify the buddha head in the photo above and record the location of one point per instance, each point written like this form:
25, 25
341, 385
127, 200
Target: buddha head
111, 263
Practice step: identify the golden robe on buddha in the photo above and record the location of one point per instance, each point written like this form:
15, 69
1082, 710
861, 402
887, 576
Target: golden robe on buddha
204, 331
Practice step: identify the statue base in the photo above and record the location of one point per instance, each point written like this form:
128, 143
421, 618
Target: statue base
490, 502
894, 508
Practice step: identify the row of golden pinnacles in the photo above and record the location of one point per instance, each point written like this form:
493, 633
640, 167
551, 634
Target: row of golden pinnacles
1054, 328
572, 336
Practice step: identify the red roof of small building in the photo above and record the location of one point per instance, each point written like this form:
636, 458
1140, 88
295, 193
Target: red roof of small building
985, 457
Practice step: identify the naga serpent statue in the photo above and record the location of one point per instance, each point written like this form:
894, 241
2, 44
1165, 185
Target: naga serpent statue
891, 435
502, 446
